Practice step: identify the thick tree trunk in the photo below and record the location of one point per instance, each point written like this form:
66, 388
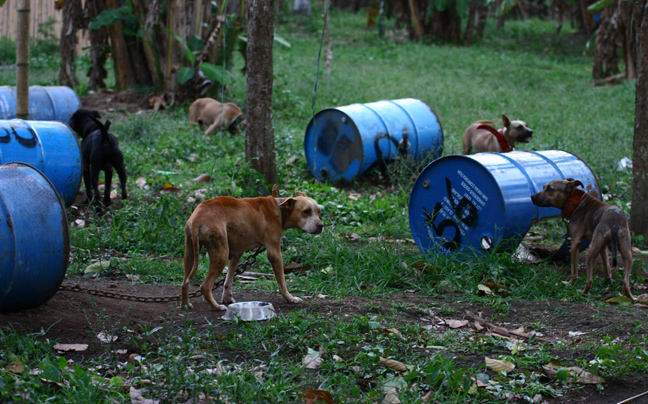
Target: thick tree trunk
71, 23
22, 60
123, 74
259, 133
99, 43
176, 23
639, 207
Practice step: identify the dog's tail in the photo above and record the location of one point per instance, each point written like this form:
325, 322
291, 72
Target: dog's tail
104, 130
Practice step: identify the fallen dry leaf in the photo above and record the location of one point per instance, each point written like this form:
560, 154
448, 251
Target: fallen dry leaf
576, 374
499, 365
457, 323
16, 367
202, 178
71, 347
393, 365
311, 396
337, 359
136, 397
106, 338
292, 160
391, 397
312, 360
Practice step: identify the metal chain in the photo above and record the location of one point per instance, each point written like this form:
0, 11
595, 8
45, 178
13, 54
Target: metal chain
247, 264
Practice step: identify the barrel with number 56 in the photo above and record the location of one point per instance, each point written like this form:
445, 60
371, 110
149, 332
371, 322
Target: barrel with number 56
49, 146
481, 204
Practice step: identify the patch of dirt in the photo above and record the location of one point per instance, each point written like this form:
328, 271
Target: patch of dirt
75, 317
111, 101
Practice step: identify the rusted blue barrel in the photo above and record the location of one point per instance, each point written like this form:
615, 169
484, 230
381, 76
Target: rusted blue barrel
49, 146
346, 142
34, 238
56, 103
480, 204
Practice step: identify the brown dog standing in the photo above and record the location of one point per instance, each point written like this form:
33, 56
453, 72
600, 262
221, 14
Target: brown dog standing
597, 222
211, 115
228, 227
481, 137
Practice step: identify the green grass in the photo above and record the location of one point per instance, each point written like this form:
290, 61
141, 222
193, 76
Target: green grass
526, 71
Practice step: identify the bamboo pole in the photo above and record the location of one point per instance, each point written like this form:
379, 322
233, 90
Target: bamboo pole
22, 60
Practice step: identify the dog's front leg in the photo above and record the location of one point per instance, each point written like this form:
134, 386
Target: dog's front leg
229, 280
274, 256
94, 180
575, 250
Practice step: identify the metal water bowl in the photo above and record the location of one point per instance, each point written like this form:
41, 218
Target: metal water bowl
249, 311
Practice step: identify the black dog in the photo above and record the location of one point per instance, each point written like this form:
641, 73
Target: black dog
100, 152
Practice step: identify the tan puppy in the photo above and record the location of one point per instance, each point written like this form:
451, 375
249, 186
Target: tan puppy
228, 227
211, 115
597, 222
481, 137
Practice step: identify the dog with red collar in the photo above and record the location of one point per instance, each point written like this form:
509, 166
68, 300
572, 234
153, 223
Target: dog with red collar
601, 224
482, 137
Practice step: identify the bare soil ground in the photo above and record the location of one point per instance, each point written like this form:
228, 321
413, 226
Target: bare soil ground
69, 317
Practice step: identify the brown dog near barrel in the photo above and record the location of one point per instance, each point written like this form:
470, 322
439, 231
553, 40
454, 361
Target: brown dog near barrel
601, 224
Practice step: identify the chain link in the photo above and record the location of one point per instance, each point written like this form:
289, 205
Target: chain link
247, 264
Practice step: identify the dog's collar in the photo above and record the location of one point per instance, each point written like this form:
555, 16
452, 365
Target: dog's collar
572, 203
499, 135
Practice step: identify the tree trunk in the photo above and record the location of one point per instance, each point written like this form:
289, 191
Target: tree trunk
259, 133
99, 43
123, 76
22, 60
69, 27
639, 207
302, 7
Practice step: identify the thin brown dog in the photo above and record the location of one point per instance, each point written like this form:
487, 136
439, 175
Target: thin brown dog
481, 137
211, 115
599, 223
228, 227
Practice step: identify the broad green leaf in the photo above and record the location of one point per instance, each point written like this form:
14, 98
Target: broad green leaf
216, 73
195, 43
97, 267
107, 18
281, 41
185, 74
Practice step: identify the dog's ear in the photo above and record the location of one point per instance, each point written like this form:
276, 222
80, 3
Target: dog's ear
297, 193
507, 122
287, 203
107, 124
572, 184
275, 190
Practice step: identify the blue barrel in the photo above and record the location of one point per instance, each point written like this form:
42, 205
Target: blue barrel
34, 238
345, 142
45, 103
49, 146
480, 204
